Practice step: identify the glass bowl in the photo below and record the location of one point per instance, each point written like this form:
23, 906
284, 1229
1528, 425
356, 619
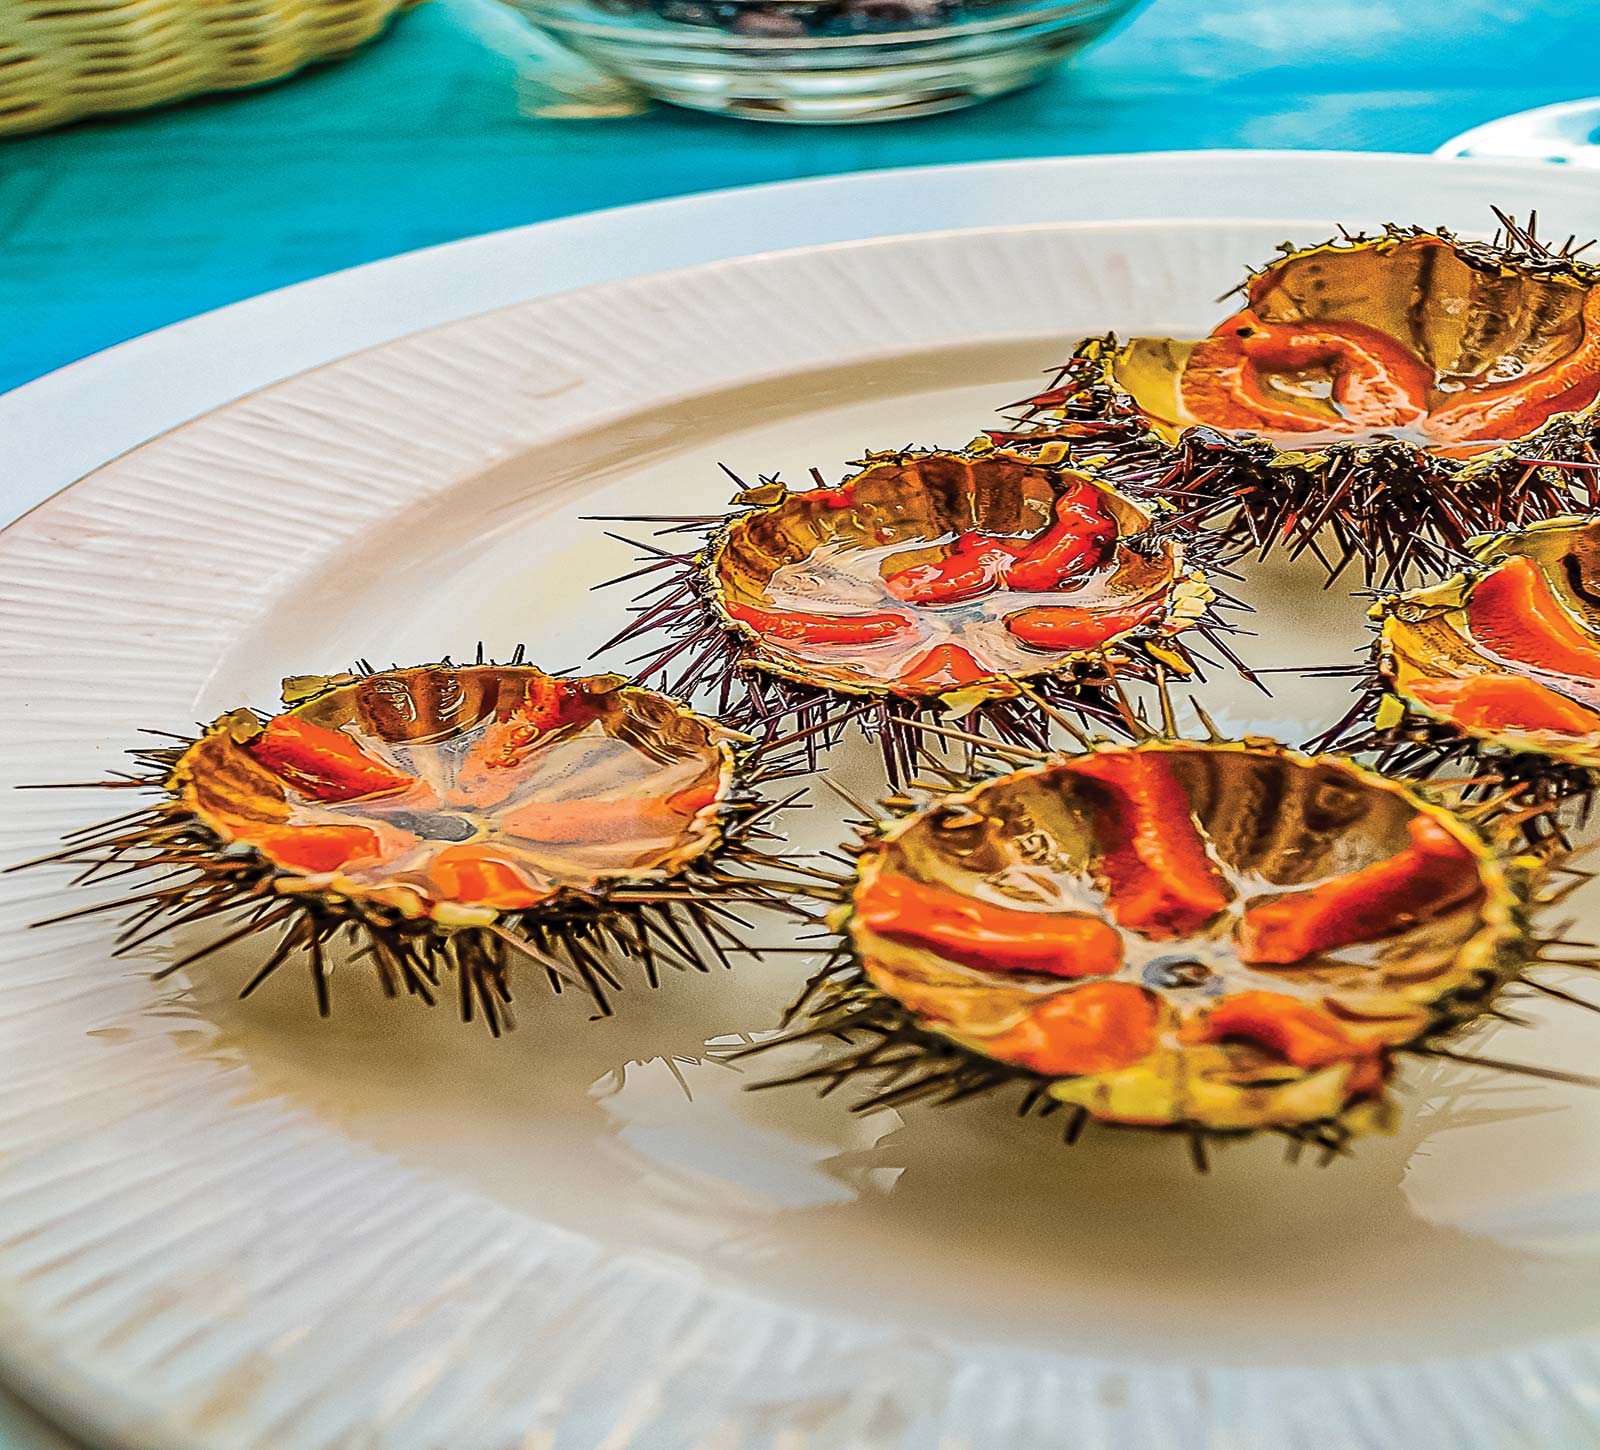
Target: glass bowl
827, 61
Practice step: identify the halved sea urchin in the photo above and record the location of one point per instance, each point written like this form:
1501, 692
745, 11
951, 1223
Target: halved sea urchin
448, 819
1495, 671
1402, 391
1214, 938
926, 582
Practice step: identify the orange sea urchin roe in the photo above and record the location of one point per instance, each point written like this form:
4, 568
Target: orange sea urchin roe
549, 703
314, 848
795, 627
1434, 874
1513, 610
1505, 702
326, 765
1098, 1027
1051, 626
1373, 381
1512, 417
1075, 542
1158, 876
477, 877
943, 667
974, 566
1299, 1032
989, 937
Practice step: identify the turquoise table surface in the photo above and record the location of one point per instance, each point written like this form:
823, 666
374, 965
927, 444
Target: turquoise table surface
112, 228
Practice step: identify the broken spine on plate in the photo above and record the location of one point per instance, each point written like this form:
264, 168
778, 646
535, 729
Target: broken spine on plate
449, 819
1494, 673
1402, 392
926, 583
1212, 938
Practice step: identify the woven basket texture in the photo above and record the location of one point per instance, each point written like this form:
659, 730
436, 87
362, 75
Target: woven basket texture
64, 59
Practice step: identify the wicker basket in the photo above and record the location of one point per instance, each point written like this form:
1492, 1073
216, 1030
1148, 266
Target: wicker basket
62, 61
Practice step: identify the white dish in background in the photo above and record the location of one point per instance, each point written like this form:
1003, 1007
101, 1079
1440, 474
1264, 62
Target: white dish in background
235, 1227
1567, 134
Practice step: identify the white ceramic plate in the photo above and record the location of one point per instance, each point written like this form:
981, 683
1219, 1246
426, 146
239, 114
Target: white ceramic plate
227, 1225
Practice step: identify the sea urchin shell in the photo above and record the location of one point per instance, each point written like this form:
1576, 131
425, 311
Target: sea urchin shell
1495, 670
447, 818
1214, 937
1403, 391
927, 581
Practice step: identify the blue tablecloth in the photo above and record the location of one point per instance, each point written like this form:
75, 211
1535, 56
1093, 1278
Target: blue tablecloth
109, 229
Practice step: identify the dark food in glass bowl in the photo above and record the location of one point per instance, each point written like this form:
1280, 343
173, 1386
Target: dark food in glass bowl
777, 20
